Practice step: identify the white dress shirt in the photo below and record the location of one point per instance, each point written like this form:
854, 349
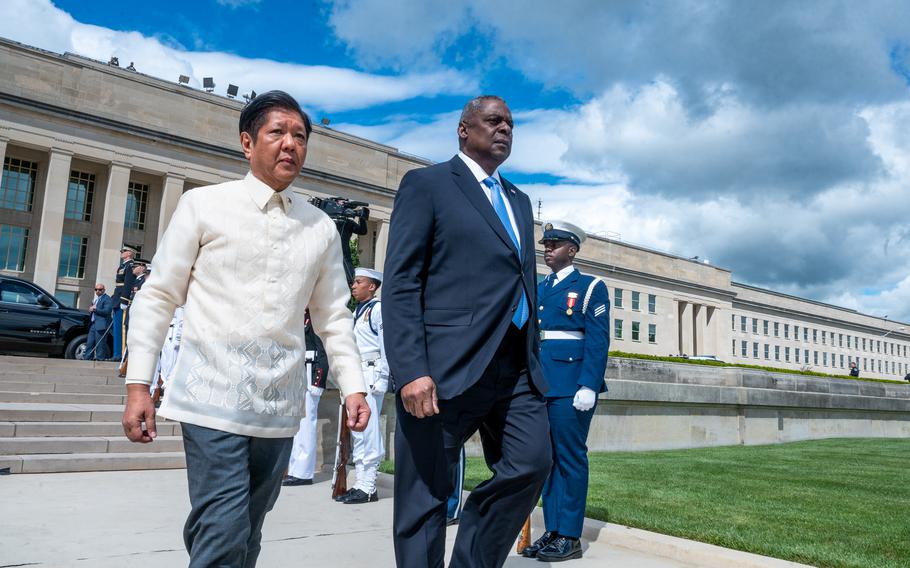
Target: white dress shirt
562, 274
245, 261
482, 175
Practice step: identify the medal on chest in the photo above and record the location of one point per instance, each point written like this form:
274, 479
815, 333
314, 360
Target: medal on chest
570, 302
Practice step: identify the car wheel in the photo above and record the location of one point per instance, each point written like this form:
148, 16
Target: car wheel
76, 348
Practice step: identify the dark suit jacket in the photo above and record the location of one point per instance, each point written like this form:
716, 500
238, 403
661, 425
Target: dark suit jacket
103, 308
453, 279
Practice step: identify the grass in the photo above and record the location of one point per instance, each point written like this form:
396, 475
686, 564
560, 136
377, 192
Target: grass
745, 366
831, 503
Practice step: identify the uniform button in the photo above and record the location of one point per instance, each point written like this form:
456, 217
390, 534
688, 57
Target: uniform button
539, 321
541, 308
570, 358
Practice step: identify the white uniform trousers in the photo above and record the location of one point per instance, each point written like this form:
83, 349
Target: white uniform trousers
303, 453
368, 448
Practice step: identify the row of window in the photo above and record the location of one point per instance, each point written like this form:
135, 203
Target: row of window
636, 331
852, 342
618, 300
837, 360
17, 188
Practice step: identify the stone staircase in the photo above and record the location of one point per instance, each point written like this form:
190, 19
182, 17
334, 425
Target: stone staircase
62, 415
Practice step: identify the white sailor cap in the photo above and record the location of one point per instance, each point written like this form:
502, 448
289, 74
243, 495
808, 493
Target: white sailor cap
562, 231
369, 273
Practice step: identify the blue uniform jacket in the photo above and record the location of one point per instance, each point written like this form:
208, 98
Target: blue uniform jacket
571, 363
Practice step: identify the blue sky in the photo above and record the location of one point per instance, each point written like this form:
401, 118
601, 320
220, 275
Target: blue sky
770, 138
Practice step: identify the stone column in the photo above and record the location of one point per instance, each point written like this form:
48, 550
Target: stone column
699, 326
118, 180
685, 328
50, 231
711, 347
3, 142
382, 242
173, 189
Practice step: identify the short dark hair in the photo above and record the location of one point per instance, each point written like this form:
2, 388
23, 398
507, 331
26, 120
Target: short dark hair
378, 283
254, 114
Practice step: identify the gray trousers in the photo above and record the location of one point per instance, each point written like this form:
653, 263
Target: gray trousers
234, 481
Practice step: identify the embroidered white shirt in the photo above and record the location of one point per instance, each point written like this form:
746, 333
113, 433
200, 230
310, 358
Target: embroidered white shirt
245, 261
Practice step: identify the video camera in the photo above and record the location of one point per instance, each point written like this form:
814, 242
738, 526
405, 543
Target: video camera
340, 208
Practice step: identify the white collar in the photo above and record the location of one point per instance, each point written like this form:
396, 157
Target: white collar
262, 193
564, 273
477, 170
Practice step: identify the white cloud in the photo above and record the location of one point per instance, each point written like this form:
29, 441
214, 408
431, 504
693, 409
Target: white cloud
317, 87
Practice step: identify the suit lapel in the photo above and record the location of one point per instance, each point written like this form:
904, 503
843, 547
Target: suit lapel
564, 283
468, 185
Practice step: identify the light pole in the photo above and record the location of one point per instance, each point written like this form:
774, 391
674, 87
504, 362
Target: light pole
889, 332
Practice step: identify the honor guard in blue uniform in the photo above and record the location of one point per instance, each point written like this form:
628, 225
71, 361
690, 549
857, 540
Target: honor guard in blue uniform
122, 291
574, 314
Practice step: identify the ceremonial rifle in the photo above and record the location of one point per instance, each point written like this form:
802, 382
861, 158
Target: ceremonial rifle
342, 450
524, 537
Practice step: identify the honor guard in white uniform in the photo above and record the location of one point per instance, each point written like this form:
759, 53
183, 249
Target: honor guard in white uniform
574, 315
167, 359
368, 448
302, 464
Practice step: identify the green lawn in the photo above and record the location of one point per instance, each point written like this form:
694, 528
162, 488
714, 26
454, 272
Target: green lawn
842, 502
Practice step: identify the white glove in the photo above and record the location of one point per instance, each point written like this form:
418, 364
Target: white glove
315, 391
380, 386
584, 399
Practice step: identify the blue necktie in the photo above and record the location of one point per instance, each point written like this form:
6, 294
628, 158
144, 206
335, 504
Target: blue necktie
499, 205
549, 281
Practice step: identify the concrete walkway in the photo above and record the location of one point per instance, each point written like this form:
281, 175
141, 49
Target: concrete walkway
134, 519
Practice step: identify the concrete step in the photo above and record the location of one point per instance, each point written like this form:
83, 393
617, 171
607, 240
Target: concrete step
51, 366
50, 412
76, 429
57, 378
87, 445
55, 463
35, 386
62, 397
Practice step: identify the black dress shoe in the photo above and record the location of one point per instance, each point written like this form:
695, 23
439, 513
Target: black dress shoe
343, 496
562, 548
357, 497
531, 550
291, 481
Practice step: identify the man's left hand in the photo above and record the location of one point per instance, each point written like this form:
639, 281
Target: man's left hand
358, 411
584, 399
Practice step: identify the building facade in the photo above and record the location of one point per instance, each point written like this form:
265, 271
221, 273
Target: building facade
95, 156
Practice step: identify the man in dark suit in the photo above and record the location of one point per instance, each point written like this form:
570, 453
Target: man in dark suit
101, 308
462, 345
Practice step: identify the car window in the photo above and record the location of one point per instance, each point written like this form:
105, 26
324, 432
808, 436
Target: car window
16, 293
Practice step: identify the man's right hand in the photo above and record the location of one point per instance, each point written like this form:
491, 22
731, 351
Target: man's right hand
419, 397
139, 409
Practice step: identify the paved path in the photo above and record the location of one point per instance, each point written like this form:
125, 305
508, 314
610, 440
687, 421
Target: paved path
134, 519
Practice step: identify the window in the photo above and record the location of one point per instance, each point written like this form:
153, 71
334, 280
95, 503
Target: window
765, 327
796, 333
652, 333
777, 352
755, 350
787, 354
742, 323
878, 346
806, 356
636, 334
805, 333
814, 336
786, 331
137, 198
864, 344
796, 354
776, 329
13, 244
848, 342
824, 334
840, 340
79, 195
617, 329
17, 186
18, 293
617, 298
733, 348
636, 301
879, 365
72, 256
767, 351
755, 325
652, 304
744, 349
815, 357
841, 361
733, 322
68, 297
825, 358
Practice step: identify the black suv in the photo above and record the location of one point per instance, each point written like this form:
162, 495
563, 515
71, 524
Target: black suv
34, 322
